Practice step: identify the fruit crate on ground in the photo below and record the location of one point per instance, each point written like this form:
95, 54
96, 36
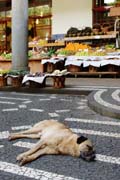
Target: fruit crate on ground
73, 68
3, 81
93, 69
33, 84
16, 81
58, 82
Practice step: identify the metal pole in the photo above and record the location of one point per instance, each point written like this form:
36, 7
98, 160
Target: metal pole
20, 34
115, 30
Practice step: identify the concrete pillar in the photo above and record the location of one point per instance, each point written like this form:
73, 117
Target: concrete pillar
20, 34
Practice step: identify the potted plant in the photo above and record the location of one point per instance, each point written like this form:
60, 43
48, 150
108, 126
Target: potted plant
16, 77
3, 79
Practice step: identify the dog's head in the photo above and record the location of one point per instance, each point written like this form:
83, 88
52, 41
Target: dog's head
86, 148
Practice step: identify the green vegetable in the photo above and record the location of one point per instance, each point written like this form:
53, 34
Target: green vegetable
17, 72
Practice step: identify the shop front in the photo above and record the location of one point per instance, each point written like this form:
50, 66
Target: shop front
56, 31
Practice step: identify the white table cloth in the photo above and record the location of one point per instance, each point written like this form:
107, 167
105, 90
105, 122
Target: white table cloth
39, 79
95, 61
52, 60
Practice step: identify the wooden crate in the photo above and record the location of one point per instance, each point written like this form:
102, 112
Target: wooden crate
16, 81
73, 68
33, 84
93, 69
50, 67
3, 81
59, 82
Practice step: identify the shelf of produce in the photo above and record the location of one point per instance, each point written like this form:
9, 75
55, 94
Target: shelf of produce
56, 44
108, 36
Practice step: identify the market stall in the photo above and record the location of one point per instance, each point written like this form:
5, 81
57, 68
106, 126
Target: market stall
53, 63
39, 79
98, 65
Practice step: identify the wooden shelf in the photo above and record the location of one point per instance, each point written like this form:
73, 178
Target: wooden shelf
109, 36
114, 74
57, 44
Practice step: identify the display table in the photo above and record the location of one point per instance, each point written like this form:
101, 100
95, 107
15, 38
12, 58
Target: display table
53, 63
35, 81
93, 64
95, 61
40, 81
53, 60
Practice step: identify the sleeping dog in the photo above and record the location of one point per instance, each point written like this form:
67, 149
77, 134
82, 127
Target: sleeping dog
54, 138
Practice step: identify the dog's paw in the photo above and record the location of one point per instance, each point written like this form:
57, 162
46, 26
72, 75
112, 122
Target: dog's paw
11, 137
20, 157
23, 161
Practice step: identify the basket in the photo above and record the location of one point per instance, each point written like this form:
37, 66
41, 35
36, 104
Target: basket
92, 69
50, 67
73, 68
16, 81
111, 68
3, 81
33, 84
59, 82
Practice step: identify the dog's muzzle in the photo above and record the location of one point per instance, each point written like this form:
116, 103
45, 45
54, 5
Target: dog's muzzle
88, 156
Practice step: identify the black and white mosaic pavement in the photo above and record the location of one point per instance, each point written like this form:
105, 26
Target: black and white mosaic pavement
20, 111
106, 102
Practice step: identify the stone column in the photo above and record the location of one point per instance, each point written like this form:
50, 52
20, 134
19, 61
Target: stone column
20, 34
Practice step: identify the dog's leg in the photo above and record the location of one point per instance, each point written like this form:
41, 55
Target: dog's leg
30, 133
37, 154
39, 145
14, 136
36, 129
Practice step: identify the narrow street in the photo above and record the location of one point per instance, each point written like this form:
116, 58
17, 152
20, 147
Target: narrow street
20, 111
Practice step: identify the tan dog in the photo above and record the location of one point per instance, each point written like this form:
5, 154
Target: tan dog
55, 138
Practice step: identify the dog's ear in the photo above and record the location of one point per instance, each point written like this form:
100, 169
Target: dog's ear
81, 139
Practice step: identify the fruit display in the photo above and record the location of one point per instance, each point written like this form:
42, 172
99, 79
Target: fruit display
82, 53
64, 52
6, 56
110, 48
76, 46
3, 72
72, 48
98, 53
91, 53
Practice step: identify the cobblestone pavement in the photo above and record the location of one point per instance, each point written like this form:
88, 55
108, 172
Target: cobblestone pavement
20, 111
